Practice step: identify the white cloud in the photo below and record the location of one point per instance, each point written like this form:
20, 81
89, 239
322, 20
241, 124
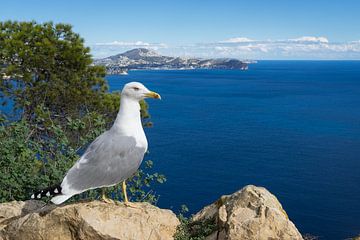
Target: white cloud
310, 39
237, 40
135, 44
304, 47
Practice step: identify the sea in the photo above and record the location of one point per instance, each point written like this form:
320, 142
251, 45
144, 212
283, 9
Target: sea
292, 127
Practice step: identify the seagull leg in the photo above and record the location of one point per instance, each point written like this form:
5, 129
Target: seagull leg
126, 201
123, 186
104, 198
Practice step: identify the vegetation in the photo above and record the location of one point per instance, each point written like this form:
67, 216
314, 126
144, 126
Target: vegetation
193, 230
47, 65
60, 103
25, 165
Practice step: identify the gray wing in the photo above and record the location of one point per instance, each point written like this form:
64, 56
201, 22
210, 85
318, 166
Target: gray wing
110, 159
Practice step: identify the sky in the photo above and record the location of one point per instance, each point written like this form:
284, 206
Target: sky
256, 29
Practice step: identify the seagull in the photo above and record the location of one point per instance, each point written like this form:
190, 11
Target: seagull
112, 157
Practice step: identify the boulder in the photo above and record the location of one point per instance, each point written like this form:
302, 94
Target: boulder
32, 220
251, 213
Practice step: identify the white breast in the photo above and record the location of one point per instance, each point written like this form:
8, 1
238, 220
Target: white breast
141, 140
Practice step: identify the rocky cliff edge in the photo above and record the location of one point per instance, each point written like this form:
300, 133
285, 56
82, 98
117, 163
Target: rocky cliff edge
250, 213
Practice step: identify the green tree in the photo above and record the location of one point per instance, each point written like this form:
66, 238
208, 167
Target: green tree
49, 65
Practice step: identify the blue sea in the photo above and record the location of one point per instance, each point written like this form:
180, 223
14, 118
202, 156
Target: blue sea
290, 126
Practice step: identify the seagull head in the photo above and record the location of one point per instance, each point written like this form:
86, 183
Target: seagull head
138, 91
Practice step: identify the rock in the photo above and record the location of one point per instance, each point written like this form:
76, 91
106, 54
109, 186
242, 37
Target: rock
15, 209
86, 220
251, 213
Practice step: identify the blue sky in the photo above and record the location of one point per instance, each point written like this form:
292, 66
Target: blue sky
259, 29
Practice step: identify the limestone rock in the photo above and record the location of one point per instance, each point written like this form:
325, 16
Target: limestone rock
251, 213
11, 210
86, 220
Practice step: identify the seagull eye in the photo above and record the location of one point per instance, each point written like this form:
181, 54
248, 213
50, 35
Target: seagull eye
136, 88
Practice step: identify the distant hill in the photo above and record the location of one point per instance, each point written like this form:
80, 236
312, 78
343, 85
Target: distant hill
142, 58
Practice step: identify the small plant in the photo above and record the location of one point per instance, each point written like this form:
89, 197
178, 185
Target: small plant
193, 230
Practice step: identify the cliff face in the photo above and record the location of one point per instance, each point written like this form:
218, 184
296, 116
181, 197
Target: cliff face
251, 213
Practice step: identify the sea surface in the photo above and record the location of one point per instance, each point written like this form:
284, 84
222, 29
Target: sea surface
290, 126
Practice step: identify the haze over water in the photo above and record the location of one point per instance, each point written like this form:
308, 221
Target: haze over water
290, 126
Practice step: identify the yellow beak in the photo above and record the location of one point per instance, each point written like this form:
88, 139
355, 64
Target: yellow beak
153, 95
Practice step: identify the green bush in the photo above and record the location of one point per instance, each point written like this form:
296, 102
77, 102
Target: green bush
28, 165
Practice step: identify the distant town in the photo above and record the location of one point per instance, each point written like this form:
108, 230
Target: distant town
142, 58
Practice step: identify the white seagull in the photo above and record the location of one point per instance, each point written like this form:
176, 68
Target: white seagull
112, 157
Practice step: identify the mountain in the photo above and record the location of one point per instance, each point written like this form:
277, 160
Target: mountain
142, 58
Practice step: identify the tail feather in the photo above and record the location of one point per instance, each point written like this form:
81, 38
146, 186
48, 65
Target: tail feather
47, 192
